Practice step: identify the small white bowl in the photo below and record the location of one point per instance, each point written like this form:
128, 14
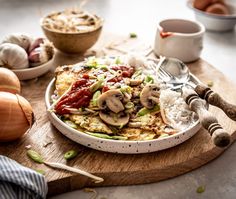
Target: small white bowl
214, 22
33, 72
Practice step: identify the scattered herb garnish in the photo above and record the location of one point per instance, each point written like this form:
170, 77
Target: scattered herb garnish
95, 97
210, 83
36, 157
70, 154
95, 86
149, 79
92, 191
103, 67
136, 74
105, 136
118, 61
163, 135
133, 35
40, 171
126, 89
145, 111
71, 124
129, 105
200, 189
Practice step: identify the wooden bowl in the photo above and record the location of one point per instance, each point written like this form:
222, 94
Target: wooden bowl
72, 42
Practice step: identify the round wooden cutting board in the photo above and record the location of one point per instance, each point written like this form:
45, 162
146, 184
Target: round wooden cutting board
116, 169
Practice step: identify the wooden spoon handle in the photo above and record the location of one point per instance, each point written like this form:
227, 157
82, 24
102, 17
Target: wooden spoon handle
216, 100
219, 136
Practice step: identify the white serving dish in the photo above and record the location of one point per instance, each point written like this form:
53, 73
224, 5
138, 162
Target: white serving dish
215, 22
118, 146
31, 73
185, 41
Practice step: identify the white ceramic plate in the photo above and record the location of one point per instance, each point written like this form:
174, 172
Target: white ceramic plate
31, 73
118, 146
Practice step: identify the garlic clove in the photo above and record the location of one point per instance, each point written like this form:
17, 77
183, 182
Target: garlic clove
21, 39
13, 56
36, 43
34, 55
42, 54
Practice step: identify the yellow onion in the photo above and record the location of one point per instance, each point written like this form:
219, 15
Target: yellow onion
9, 82
16, 116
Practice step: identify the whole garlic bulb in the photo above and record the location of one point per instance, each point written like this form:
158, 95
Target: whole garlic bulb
20, 39
42, 52
13, 56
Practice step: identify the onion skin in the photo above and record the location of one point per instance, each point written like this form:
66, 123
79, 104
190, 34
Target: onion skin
16, 116
9, 82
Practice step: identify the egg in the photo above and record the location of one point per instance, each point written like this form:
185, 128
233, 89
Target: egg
218, 8
201, 4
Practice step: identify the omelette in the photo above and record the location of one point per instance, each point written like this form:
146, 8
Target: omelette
112, 98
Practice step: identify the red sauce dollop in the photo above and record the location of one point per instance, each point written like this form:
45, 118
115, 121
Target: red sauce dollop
79, 96
165, 34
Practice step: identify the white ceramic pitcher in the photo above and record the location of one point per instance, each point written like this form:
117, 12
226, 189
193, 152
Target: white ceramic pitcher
179, 38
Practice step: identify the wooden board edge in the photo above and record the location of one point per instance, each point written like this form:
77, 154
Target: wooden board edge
76, 182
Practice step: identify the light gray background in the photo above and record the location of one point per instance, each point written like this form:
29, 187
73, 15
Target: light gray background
142, 16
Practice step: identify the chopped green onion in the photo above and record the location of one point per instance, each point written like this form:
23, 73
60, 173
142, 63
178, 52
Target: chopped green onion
149, 79
136, 74
163, 135
70, 154
126, 89
156, 108
101, 77
132, 35
95, 86
210, 83
105, 136
103, 67
36, 157
71, 124
42, 172
145, 111
129, 105
117, 137
114, 129
92, 62
118, 61
200, 189
89, 67
95, 98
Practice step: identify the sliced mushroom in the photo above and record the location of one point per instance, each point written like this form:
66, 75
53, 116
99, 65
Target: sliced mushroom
114, 119
149, 96
111, 99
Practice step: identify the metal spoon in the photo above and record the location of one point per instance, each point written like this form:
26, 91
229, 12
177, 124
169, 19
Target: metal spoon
175, 72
